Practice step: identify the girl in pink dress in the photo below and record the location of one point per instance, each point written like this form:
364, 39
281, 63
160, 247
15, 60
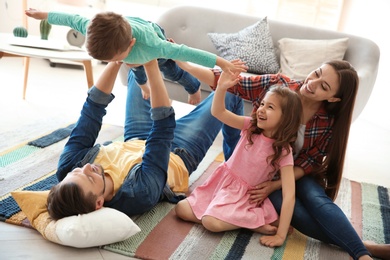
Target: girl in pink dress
222, 202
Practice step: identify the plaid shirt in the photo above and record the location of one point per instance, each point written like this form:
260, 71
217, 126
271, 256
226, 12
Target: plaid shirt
318, 132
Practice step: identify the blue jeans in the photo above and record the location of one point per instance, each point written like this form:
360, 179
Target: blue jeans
190, 139
171, 71
194, 132
317, 216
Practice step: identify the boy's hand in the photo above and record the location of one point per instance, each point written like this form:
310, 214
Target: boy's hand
231, 66
36, 14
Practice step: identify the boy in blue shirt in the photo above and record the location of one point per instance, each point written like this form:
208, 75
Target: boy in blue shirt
112, 37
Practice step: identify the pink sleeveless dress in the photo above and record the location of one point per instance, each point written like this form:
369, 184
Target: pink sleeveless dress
224, 194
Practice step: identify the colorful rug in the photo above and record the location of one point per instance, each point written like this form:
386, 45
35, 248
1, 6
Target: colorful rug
31, 166
22, 163
164, 236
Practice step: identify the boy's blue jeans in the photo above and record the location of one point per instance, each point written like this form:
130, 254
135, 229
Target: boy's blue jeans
315, 214
171, 71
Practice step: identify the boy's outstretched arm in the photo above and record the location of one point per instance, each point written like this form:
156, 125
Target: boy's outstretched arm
36, 14
73, 21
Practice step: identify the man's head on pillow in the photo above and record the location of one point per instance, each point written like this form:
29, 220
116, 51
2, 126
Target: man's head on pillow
80, 192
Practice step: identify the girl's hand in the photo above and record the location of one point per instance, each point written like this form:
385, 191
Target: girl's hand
272, 241
228, 79
260, 192
34, 13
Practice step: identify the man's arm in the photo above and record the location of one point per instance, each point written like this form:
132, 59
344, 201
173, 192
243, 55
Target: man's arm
106, 81
158, 93
87, 128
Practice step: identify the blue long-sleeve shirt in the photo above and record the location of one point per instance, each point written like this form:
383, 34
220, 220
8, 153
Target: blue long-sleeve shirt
150, 42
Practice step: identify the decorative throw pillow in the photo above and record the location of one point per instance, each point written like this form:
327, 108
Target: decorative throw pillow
101, 227
300, 57
252, 45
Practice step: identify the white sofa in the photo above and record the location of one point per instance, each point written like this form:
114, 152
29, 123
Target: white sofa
189, 25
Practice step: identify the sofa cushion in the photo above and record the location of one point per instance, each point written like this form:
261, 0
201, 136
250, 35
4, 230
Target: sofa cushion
100, 227
252, 45
298, 57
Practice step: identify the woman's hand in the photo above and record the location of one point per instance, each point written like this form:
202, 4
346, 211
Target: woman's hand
261, 191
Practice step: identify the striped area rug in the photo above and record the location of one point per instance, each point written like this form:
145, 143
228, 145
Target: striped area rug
32, 163
164, 236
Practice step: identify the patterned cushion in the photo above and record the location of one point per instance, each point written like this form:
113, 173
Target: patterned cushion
252, 45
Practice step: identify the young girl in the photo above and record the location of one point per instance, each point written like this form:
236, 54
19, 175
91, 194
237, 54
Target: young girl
222, 202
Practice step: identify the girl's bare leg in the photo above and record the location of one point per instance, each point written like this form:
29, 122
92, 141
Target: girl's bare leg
184, 211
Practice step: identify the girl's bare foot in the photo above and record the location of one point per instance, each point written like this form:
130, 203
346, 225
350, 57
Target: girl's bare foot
194, 99
266, 230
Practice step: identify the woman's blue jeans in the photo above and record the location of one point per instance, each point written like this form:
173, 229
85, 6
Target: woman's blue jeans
194, 132
317, 216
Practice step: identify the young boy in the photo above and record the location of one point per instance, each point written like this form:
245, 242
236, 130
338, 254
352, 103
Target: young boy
112, 37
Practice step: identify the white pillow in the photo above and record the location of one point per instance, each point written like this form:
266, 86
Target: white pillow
300, 57
252, 44
101, 227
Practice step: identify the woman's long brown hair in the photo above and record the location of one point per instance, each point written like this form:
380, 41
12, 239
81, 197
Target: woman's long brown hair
332, 168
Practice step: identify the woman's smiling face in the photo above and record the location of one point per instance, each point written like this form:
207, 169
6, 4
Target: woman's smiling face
321, 84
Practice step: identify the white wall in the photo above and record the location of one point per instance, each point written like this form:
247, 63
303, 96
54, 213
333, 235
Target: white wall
368, 19
11, 14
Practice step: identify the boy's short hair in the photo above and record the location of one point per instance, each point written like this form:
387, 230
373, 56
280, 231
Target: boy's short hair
108, 34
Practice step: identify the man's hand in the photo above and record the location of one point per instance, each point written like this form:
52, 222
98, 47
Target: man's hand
33, 13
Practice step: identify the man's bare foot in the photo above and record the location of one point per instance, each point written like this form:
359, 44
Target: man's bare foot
194, 99
266, 230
